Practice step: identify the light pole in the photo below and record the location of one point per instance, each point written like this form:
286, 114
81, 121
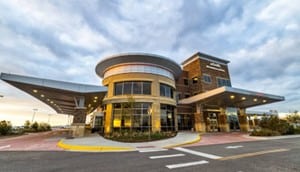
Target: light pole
1, 96
149, 121
33, 115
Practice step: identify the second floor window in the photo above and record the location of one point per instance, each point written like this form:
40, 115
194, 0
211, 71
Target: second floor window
132, 87
223, 82
206, 78
166, 90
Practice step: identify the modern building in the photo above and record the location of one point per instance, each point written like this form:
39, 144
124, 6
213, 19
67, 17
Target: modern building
150, 92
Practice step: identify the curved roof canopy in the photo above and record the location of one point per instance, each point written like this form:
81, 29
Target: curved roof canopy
152, 59
63, 97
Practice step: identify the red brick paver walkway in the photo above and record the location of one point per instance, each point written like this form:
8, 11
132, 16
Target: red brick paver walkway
45, 141
222, 138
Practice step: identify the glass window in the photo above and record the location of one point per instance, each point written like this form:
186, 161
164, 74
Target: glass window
167, 117
166, 90
206, 78
135, 116
147, 88
132, 87
137, 87
223, 82
127, 88
118, 88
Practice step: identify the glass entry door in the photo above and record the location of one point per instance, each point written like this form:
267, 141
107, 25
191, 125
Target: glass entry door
232, 119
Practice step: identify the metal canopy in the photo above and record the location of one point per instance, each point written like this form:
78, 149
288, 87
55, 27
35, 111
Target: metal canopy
63, 97
232, 97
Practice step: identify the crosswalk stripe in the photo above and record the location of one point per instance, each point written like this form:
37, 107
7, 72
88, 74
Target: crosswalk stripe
152, 150
206, 155
166, 156
186, 164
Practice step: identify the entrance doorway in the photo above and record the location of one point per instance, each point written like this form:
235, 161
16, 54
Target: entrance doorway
212, 122
185, 121
233, 119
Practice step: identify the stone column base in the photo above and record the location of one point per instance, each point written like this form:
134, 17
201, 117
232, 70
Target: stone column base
78, 129
244, 127
224, 127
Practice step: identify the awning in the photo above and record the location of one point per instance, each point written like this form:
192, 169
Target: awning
63, 97
232, 97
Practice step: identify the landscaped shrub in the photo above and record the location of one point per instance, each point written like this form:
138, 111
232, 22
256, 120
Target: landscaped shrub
272, 126
265, 132
139, 136
5, 127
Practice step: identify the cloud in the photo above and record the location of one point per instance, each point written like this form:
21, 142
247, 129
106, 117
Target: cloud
64, 40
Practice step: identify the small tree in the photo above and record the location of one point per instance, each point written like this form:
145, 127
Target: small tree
5, 127
27, 124
35, 126
293, 118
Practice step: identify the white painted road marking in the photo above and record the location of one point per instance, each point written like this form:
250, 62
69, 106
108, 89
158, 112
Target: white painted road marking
6, 146
152, 150
206, 155
234, 147
166, 156
186, 164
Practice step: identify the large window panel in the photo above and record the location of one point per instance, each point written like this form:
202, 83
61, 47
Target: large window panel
132, 87
127, 88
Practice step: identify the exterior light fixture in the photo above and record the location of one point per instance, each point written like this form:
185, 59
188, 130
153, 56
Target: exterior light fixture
255, 99
35, 91
51, 102
89, 105
42, 95
264, 101
48, 100
232, 97
95, 97
243, 98
95, 101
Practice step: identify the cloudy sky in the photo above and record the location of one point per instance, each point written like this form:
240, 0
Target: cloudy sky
64, 40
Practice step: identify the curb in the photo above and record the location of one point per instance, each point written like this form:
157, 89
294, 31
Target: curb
99, 148
185, 143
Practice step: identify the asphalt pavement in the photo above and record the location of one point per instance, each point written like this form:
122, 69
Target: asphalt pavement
264, 155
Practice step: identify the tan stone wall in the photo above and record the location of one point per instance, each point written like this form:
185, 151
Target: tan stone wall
244, 124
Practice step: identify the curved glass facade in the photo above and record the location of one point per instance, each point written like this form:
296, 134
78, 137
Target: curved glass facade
135, 68
131, 115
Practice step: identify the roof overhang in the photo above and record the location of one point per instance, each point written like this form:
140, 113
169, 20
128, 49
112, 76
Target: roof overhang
129, 58
232, 97
59, 95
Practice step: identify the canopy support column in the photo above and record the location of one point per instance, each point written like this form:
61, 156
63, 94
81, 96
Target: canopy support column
223, 124
244, 125
199, 120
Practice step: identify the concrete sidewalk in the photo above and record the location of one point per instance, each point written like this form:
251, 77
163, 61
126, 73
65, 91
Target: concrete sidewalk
96, 143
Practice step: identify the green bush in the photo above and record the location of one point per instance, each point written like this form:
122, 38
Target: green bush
275, 124
138, 136
265, 132
34, 126
5, 127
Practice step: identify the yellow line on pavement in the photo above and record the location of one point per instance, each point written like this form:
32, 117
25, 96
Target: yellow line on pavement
99, 148
252, 154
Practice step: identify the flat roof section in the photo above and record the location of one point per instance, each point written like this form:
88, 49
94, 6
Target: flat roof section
59, 95
205, 57
140, 58
232, 97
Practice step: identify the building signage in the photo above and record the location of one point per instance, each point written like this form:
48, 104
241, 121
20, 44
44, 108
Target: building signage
215, 66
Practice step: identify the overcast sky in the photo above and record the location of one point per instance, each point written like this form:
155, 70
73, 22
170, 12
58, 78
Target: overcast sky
64, 40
